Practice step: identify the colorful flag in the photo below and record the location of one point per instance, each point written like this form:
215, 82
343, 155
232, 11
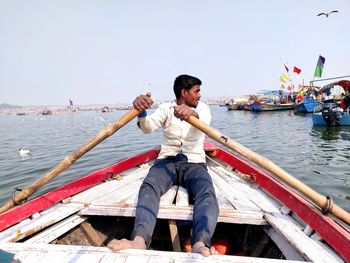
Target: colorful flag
296, 70
283, 78
285, 65
319, 66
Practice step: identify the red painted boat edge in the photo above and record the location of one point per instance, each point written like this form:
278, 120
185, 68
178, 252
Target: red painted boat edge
38, 204
334, 234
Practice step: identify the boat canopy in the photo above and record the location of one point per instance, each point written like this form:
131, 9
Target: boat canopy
344, 84
273, 93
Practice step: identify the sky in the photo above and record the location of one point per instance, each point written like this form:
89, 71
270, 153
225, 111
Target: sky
107, 52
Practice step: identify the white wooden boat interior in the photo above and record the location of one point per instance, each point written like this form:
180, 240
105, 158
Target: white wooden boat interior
69, 231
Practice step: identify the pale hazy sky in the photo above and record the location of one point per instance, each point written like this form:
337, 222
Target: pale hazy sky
111, 51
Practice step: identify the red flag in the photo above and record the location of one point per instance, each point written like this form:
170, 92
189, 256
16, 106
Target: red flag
297, 70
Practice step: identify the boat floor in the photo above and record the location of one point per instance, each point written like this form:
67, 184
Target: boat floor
241, 203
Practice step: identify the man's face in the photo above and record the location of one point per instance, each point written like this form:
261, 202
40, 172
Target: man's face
192, 96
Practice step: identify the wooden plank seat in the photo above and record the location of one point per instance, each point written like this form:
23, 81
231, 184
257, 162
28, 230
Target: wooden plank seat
26, 252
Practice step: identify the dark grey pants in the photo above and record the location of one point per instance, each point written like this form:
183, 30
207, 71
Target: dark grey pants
195, 178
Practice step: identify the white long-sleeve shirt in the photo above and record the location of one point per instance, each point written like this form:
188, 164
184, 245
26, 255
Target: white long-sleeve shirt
178, 136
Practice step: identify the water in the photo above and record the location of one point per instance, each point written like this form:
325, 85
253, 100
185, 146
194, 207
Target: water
318, 156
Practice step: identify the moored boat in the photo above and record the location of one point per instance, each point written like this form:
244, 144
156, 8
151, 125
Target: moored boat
46, 112
236, 104
308, 99
269, 100
277, 106
105, 109
260, 218
258, 106
307, 105
331, 113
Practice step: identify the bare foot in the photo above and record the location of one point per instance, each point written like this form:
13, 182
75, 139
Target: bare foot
199, 247
119, 244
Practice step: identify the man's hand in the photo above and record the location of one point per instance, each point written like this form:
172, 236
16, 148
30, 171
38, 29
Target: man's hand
183, 112
143, 102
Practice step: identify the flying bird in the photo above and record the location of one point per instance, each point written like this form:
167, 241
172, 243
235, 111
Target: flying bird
327, 14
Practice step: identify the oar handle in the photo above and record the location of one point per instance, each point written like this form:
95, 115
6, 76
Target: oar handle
319, 199
70, 159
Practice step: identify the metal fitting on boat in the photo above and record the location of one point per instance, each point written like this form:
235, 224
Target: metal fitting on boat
14, 195
329, 205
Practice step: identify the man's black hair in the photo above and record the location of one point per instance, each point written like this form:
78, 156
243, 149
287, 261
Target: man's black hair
185, 82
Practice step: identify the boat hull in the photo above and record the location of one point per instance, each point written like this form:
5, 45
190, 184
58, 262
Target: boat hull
308, 105
318, 120
235, 106
258, 107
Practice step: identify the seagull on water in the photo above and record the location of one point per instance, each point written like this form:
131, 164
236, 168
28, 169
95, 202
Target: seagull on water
24, 152
327, 14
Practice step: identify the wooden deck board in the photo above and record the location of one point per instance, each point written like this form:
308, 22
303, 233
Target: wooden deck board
319, 240
112, 259
132, 200
237, 199
106, 188
169, 196
33, 257
120, 195
64, 254
68, 257
222, 200
288, 251
53, 215
250, 191
307, 247
55, 231
177, 213
182, 198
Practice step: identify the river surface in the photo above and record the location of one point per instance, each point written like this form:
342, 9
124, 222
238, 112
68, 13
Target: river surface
318, 156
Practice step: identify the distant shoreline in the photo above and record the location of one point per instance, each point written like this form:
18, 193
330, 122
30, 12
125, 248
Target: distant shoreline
7, 109
48, 110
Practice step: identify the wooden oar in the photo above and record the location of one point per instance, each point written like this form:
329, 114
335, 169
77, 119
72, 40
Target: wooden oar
319, 199
70, 159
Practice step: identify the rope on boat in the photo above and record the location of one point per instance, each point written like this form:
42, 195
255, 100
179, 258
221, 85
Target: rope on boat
17, 189
328, 206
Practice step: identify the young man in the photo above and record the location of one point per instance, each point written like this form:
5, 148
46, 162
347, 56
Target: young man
181, 161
